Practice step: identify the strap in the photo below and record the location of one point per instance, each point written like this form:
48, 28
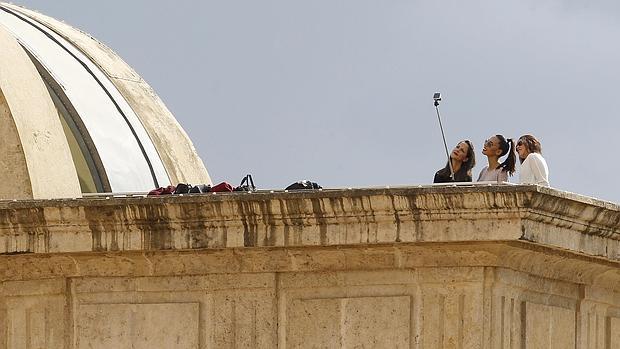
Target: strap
247, 180
249, 177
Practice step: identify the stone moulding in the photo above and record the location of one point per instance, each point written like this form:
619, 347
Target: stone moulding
516, 255
323, 218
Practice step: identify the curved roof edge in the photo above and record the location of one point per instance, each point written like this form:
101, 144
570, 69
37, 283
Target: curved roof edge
36, 161
176, 150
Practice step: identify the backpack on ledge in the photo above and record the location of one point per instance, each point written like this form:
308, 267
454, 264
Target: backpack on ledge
247, 184
200, 189
303, 185
183, 188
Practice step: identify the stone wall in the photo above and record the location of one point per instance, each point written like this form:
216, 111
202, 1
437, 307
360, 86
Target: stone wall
489, 267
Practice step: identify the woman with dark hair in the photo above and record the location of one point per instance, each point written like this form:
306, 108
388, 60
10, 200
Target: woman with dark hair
463, 159
534, 168
494, 148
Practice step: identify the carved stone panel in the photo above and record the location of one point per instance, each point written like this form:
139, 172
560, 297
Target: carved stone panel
352, 322
164, 325
549, 326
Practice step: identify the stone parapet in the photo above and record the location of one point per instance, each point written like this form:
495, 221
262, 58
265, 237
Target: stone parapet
320, 218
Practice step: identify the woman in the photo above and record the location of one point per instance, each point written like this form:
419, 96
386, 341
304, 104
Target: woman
494, 148
463, 159
534, 168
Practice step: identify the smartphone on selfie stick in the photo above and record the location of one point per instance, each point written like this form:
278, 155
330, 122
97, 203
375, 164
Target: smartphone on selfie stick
437, 99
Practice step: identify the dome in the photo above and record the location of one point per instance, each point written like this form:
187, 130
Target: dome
75, 118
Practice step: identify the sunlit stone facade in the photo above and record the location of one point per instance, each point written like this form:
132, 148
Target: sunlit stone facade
473, 267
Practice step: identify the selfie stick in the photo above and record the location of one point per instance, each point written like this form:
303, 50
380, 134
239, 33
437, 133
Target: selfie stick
437, 98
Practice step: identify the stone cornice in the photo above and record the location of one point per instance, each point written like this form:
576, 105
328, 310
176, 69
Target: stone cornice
520, 256
538, 215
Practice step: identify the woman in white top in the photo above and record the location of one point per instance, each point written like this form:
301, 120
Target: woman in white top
534, 168
494, 148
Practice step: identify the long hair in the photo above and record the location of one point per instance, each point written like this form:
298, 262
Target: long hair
471, 157
507, 146
465, 170
532, 145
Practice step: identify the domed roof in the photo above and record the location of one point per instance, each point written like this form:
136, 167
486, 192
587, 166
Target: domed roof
75, 118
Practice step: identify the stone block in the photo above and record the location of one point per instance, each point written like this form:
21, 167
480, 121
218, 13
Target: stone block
131, 325
354, 322
549, 327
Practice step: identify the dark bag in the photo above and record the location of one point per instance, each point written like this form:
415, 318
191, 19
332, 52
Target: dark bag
200, 188
162, 191
303, 185
183, 188
247, 184
222, 188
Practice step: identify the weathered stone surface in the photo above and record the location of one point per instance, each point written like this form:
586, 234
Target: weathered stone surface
35, 157
492, 267
131, 325
362, 216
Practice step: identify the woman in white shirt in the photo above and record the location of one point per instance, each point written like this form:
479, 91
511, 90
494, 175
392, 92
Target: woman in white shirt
534, 168
494, 148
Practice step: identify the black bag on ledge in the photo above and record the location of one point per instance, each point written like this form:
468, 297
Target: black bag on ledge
200, 188
303, 185
182, 188
247, 184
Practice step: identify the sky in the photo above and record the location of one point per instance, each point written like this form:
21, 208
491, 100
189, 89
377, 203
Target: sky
340, 92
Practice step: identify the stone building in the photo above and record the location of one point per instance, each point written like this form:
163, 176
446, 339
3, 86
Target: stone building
471, 266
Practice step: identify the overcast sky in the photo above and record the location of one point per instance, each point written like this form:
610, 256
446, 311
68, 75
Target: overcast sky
339, 92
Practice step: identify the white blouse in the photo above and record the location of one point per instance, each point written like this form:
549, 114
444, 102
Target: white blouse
534, 170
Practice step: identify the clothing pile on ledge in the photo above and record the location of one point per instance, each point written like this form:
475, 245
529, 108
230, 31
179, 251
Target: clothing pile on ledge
247, 185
